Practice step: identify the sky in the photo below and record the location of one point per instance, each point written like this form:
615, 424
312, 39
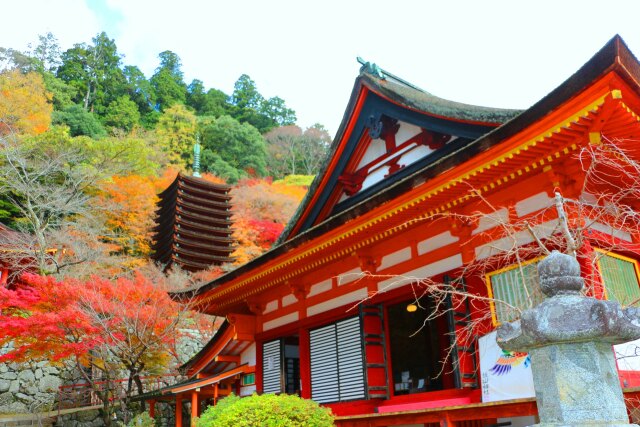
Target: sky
493, 53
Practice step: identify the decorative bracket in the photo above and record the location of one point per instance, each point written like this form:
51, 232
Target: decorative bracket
352, 182
299, 290
383, 127
431, 139
367, 263
462, 226
256, 307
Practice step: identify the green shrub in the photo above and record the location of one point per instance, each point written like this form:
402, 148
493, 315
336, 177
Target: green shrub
141, 420
267, 410
301, 180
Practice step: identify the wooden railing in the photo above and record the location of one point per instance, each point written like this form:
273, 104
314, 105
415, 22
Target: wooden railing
88, 394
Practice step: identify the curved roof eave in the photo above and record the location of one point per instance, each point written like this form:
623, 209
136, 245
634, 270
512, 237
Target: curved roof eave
614, 55
424, 102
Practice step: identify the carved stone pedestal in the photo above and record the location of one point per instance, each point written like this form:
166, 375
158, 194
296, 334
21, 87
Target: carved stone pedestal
577, 385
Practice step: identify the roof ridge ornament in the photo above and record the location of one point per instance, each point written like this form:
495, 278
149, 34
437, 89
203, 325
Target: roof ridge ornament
374, 69
371, 68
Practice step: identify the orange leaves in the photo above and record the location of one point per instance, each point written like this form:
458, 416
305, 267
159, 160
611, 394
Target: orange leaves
212, 178
129, 203
261, 209
24, 103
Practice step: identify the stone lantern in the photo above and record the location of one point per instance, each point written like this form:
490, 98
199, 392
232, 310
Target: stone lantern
569, 337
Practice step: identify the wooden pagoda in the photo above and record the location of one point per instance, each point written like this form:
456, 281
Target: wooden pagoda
416, 189
193, 228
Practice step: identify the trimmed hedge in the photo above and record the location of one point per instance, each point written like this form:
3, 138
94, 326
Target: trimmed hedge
267, 410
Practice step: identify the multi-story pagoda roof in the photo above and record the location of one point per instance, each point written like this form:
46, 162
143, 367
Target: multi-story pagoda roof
193, 227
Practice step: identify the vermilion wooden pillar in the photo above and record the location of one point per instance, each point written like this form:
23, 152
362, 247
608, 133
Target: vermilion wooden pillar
305, 364
194, 406
178, 411
259, 367
447, 422
152, 408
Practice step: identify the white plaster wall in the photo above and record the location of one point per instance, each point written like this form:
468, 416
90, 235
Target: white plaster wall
270, 306
533, 203
320, 287
374, 177
406, 131
394, 258
288, 300
351, 297
518, 239
492, 220
249, 355
415, 154
607, 229
350, 276
247, 390
376, 148
280, 321
436, 242
423, 272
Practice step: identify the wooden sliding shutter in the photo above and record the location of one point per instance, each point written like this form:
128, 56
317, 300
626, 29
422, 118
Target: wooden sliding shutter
350, 366
271, 367
337, 371
324, 364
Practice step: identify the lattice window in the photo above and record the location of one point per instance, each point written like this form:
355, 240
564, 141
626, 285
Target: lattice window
620, 278
514, 289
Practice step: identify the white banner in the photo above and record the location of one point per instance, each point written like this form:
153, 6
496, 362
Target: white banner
505, 375
628, 356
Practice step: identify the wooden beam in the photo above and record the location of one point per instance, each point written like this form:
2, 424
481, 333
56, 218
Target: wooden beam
227, 358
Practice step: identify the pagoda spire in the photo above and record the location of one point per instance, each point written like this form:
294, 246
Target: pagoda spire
196, 157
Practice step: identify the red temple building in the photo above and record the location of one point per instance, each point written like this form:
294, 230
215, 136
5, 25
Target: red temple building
415, 191
15, 256
193, 224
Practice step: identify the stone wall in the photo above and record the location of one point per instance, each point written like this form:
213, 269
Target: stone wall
28, 388
33, 387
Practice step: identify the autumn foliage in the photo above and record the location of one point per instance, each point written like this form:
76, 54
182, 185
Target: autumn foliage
24, 103
129, 204
261, 209
127, 322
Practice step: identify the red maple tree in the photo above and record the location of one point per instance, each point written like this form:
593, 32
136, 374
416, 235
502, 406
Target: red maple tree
110, 329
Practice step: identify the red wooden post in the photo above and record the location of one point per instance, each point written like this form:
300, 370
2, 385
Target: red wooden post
194, 405
305, 364
447, 422
152, 408
258, 367
179, 411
